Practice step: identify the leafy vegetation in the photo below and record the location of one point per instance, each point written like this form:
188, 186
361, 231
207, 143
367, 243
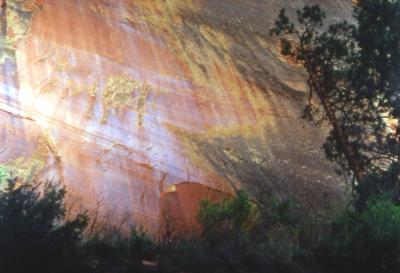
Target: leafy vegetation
34, 234
239, 235
119, 253
353, 71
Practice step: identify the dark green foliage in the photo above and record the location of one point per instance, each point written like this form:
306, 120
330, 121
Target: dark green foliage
354, 85
226, 244
34, 234
279, 226
370, 238
376, 185
328, 58
240, 235
197, 256
120, 253
288, 240
378, 37
353, 79
229, 216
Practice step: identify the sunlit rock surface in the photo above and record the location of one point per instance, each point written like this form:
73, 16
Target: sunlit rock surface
123, 99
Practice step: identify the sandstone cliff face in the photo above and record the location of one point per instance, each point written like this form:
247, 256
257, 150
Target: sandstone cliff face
123, 99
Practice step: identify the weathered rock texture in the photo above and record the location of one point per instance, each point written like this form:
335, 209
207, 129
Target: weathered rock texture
122, 99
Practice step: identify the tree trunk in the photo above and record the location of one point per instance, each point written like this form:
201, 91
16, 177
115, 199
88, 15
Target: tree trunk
340, 136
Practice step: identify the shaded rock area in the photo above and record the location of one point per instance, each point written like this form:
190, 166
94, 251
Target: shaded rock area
121, 100
260, 162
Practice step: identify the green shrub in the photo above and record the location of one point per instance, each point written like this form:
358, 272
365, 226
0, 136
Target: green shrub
120, 253
239, 236
231, 215
225, 245
371, 236
34, 234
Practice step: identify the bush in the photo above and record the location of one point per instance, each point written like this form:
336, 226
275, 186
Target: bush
237, 215
370, 237
239, 235
34, 234
120, 253
225, 244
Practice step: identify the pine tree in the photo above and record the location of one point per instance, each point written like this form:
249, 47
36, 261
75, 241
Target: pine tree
353, 71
